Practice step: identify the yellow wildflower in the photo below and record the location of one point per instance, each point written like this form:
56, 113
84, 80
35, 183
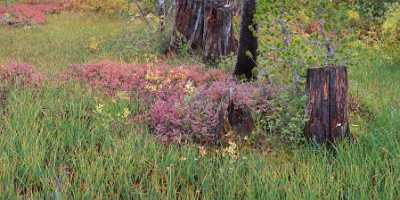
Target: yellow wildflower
152, 76
99, 108
125, 113
189, 87
231, 150
123, 96
93, 44
182, 158
353, 16
151, 87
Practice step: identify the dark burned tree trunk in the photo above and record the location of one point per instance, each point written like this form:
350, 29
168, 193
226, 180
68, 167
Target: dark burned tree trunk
327, 108
240, 120
205, 25
248, 44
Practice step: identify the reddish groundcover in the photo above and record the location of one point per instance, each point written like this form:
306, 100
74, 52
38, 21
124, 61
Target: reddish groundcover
28, 13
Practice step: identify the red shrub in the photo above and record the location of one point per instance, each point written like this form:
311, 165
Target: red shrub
200, 116
29, 13
159, 80
20, 74
187, 102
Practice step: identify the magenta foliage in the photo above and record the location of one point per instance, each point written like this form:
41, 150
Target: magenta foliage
28, 13
168, 120
202, 116
187, 102
110, 76
156, 80
20, 74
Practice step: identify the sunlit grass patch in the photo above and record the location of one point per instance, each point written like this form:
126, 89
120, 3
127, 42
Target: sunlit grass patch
65, 39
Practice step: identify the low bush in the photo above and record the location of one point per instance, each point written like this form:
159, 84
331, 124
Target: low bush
20, 74
28, 13
186, 103
391, 25
200, 114
17, 75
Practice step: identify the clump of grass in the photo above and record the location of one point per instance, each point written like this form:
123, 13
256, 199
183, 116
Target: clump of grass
64, 40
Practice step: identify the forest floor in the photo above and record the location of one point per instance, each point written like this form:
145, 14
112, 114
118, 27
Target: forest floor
52, 145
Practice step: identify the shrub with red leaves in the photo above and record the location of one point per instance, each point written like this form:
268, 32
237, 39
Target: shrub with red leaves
156, 80
20, 74
188, 103
29, 13
202, 115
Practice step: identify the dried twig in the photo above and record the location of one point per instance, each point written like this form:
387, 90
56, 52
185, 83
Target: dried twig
288, 39
330, 55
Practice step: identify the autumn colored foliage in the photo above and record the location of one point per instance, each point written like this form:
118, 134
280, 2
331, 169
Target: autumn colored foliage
186, 102
29, 13
20, 74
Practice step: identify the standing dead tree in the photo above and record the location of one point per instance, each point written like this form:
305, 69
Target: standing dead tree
248, 43
205, 25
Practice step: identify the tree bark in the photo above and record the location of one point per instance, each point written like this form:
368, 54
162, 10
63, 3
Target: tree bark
240, 120
218, 32
327, 108
161, 12
205, 25
248, 43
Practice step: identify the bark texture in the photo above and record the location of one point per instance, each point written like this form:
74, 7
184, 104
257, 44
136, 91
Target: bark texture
205, 25
240, 120
327, 108
248, 43
161, 12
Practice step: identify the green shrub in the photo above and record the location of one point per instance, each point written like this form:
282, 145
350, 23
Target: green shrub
391, 25
286, 119
373, 8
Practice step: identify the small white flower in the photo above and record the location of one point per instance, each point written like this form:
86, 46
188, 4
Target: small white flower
189, 87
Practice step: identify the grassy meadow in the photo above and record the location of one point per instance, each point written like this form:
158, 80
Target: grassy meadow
66, 141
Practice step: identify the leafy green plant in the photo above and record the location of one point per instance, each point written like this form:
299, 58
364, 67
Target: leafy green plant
286, 119
391, 25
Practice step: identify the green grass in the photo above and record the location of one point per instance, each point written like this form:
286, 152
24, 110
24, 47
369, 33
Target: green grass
66, 38
55, 145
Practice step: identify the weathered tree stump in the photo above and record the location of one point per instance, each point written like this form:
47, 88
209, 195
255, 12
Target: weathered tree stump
218, 30
327, 108
240, 120
205, 25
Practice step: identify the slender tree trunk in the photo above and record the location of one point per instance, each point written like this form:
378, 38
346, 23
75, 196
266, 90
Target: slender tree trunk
327, 108
248, 43
161, 12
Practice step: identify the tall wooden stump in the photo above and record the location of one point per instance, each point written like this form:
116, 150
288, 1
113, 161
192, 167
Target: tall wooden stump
327, 108
205, 25
218, 31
